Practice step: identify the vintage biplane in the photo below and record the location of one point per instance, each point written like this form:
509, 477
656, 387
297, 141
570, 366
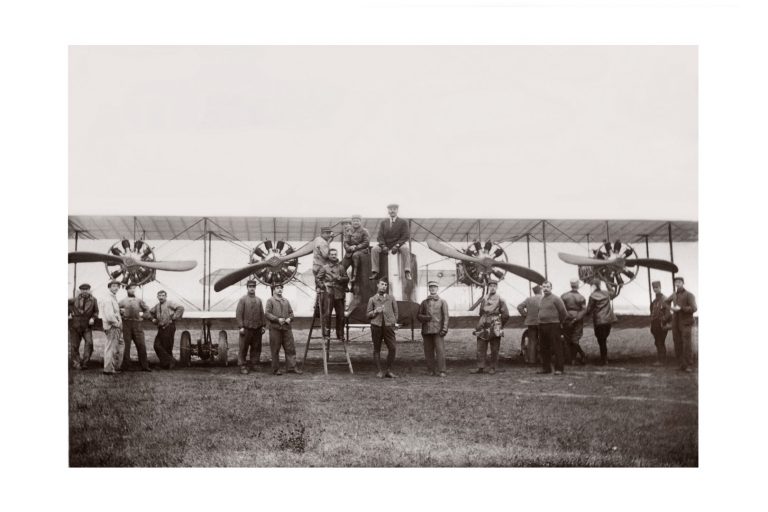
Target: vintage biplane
274, 249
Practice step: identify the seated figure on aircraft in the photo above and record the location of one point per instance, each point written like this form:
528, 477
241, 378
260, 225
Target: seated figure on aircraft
357, 240
393, 236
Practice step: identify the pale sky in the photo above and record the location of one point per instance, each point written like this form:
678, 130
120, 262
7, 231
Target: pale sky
474, 131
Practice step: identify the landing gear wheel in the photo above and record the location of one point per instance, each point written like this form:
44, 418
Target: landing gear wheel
223, 348
185, 349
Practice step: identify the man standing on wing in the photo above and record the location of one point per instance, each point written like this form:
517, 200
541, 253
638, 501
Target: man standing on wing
133, 310
250, 321
573, 327
661, 322
356, 243
164, 314
683, 305
382, 313
552, 313
433, 314
493, 316
279, 316
334, 280
603, 317
113, 328
83, 311
393, 236
529, 310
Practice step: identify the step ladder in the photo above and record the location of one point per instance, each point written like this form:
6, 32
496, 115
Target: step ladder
325, 343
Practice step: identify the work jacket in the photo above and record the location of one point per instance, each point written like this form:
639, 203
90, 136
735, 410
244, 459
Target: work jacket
433, 314
333, 279
320, 253
388, 316
661, 314
166, 313
494, 305
356, 240
574, 303
130, 307
687, 302
83, 308
110, 312
250, 313
600, 307
529, 309
391, 234
278, 307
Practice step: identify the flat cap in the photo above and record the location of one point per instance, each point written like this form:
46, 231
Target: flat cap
679, 278
326, 230
393, 205
356, 216
85, 286
432, 283
251, 282
113, 281
656, 283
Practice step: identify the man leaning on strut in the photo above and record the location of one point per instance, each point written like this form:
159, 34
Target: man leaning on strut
250, 322
83, 312
683, 305
164, 314
393, 236
661, 322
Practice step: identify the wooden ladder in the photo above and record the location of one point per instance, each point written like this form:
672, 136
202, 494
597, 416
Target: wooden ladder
325, 344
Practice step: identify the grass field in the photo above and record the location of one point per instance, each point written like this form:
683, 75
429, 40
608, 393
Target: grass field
627, 413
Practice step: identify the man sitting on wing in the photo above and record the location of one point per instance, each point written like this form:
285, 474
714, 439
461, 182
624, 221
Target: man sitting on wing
356, 243
393, 237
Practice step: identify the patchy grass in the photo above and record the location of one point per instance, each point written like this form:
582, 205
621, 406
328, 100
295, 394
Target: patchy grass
625, 414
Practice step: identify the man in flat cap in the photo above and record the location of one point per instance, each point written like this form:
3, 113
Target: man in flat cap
573, 327
320, 253
552, 314
493, 316
433, 314
393, 236
113, 328
683, 305
164, 314
83, 312
279, 316
334, 281
250, 321
133, 311
661, 322
382, 313
529, 310
357, 240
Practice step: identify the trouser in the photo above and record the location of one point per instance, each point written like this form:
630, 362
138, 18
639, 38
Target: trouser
76, 334
132, 332
384, 334
573, 333
601, 333
681, 335
355, 260
250, 342
376, 252
531, 353
660, 340
164, 344
113, 350
279, 338
551, 342
482, 350
434, 348
331, 305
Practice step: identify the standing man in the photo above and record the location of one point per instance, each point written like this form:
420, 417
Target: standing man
334, 280
393, 236
529, 310
661, 322
250, 321
113, 328
164, 314
683, 305
493, 316
133, 310
356, 243
83, 311
603, 317
280, 315
573, 327
552, 313
320, 253
382, 313
433, 314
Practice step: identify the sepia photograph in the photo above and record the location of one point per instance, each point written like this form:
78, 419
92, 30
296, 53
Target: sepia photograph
390, 256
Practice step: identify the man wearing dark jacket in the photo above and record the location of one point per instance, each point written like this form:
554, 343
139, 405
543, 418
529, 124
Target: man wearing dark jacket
552, 314
83, 312
382, 314
333, 277
279, 315
250, 321
661, 322
573, 327
433, 314
133, 310
164, 314
603, 317
493, 316
529, 310
357, 241
683, 305
393, 236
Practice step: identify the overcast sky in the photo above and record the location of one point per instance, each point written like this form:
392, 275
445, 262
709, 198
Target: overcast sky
446, 131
